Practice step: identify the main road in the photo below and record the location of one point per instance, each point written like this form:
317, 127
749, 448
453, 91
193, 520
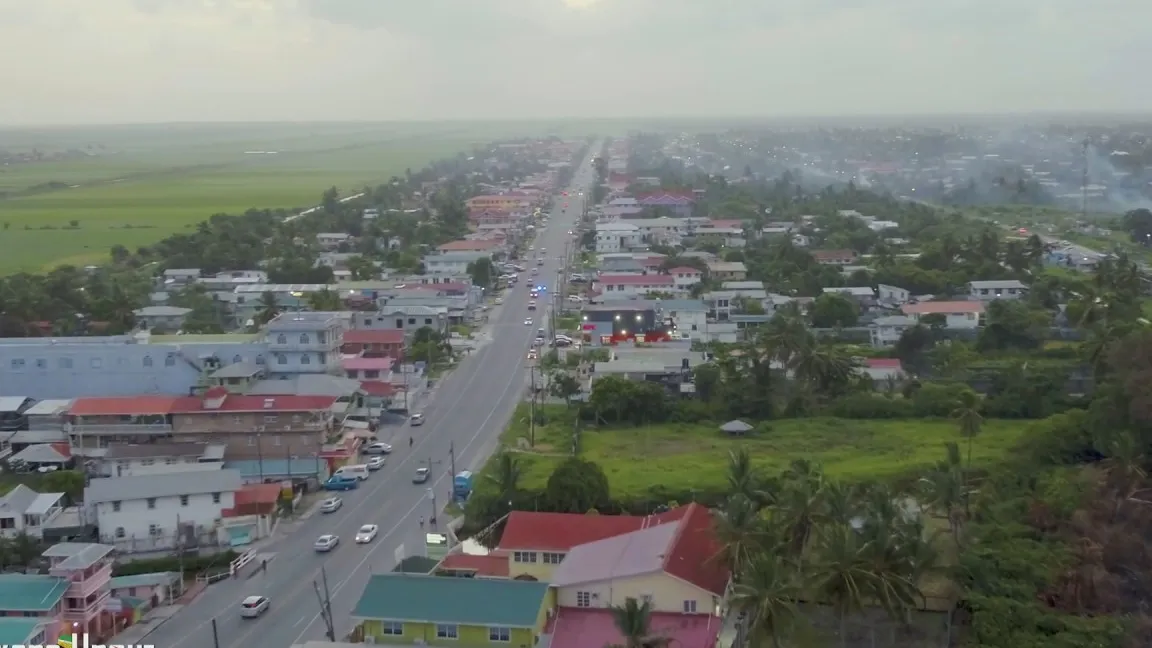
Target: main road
471, 407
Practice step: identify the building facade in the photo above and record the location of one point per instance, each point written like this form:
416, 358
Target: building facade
305, 343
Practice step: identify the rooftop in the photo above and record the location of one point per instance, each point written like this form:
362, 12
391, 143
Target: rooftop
461, 601
30, 592
77, 555
193, 482
493, 565
374, 336
623, 556
943, 307
562, 531
636, 280
153, 450
15, 631
584, 628
143, 580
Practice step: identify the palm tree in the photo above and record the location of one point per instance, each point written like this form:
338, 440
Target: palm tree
766, 595
506, 477
743, 478
825, 371
967, 416
633, 620
740, 531
269, 308
843, 573
325, 301
800, 505
945, 490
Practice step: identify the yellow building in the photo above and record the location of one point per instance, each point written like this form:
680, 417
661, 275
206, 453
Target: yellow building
459, 612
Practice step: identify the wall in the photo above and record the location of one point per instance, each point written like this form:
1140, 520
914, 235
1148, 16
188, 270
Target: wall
158, 466
538, 570
425, 634
136, 518
668, 593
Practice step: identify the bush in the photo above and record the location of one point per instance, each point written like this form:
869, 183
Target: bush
863, 405
192, 564
935, 400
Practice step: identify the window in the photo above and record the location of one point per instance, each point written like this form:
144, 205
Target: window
583, 599
281, 339
183, 500
170, 360
499, 634
237, 419
269, 418
303, 338
281, 359
215, 498
154, 529
524, 556
251, 441
428, 321
17, 363
399, 323
41, 363
392, 628
120, 532
321, 358
412, 320
147, 361
151, 502
65, 363
147, 462
552, 558
444, 631
276, 440
236, 359
260, 360
690, 607
115, 507
304, 359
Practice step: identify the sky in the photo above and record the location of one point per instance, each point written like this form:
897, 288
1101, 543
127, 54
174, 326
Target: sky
135, 61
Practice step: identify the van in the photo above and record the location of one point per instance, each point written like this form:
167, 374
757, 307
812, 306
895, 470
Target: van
359, 471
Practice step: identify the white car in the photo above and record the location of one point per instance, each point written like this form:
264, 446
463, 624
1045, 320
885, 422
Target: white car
375, 463
416, 419
367, 533
326, 542
528, 322
331, 505
378, 448
253, 606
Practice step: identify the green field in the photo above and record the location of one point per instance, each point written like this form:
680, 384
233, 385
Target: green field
682, 457
139, 184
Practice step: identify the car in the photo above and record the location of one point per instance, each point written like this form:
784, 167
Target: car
378, 448
338, 483
367, 533
326, 543
375, 463
569, 231
535, 272
253, 606
416, 419
421, 476
499, 301
532, 354
531, 307
528, 322
331, 505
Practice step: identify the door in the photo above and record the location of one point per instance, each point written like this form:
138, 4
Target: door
239, 536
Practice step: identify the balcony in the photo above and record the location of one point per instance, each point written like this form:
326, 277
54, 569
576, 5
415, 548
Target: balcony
84, 614
82, 585
293, 343
118, 429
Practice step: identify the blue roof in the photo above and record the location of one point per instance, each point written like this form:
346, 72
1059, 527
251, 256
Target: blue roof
302, 467
15, 631
461, 601
30, 592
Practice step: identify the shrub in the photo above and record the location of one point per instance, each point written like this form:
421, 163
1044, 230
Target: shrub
192, 564
864, 405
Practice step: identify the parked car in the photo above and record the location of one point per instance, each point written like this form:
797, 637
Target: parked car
326, 543
331, 505
375, 463
253, 606
378, 448
342, 484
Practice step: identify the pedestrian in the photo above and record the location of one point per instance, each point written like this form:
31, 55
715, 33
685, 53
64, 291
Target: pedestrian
410, 442
264, 565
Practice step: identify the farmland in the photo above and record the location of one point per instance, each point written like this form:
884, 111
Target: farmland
133, 185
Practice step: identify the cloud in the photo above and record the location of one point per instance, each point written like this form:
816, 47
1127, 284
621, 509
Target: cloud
160, 60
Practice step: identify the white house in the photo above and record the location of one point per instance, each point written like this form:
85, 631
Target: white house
957, 314
133, 460
23, 510
331, 240
146, 512
628, 286
685, 277
617, 237
990, 290
892, 294
886, 331
857, 292
454, 263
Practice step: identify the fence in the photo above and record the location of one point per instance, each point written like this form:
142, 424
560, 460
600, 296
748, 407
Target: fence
163, 542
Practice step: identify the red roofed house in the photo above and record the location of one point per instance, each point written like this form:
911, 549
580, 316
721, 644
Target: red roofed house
499, 202
685, 277
367, 368
834, 257
252, 515
381, 343
98, 422
619, 181
627, 286
679, 203
957, 314
472, 245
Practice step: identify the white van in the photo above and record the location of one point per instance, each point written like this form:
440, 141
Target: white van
359, 471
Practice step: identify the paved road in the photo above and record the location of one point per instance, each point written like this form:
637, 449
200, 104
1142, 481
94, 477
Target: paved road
469, 409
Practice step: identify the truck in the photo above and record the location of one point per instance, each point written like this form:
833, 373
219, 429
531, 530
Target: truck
462, 485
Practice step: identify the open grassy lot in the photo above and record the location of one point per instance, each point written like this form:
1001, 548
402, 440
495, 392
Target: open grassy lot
689, 457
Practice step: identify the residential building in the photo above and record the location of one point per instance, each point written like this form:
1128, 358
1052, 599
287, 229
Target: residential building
452, 263
175, 278
465, 612
886, 331
304, 343
167, 318
37, 599
990, 290
410, 319
893, 295
155, 512
727, 270
679, 204
725, 236
499, 202
684, 277
133, 460
621, 208
381, 343
618, 237
956, 314
332, 240
14, 412
685, 319
621, 320
630, 286
247, 300
159, 588
835, 257
24, 631
367, 368
489, 246
24, 511
87, 569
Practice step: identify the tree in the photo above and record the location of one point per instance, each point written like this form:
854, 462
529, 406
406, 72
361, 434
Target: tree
577, 485
363, 268
269, 308
206, 315
325, 301
834, 310
766, 593
482, 272
506, 478
562, 384
740, 531
633, 620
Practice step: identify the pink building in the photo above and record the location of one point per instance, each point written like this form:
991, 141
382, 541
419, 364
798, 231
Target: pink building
366, 368
87, 570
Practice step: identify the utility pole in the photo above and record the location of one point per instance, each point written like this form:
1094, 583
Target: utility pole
180, 553
432, 497
532, 414
215, 634
325, 604
452, 457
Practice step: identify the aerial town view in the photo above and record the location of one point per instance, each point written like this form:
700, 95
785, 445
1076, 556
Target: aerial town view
323, 324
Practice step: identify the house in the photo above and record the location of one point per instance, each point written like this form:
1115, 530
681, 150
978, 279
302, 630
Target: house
386, 343
883, 370
501, 202
453, 263
131, 460
367, 368
37, 599
893, 295
618, 237
989, 290
174, 278
155, 512
678, 203
86, 569
727, 270
44, 456
304, 343
467, 612
628, 286
254, 515
684, 277
14, 412
24, 511
489, 246
957, 314
247, 300
160, 588
863, 295
834, 257
21, 631
886, 331
332, 240
167, 318
410, 319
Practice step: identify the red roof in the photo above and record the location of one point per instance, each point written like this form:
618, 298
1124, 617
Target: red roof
374, 336
377, 388
254, 499
635, 280
562, 531
833, 255
690, 556
943, 307
480, 245
123, 405
245, 403
494, 565
652, 261
884, 363
359, 363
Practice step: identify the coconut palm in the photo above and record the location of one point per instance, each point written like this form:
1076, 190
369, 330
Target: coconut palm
945, 490
766, 594
743, 478
740, 531
505, 479
800, 505
325, 301
633, 620
843, 573
268, 309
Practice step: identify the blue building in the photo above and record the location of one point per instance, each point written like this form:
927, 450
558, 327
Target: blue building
125, 365
305, 343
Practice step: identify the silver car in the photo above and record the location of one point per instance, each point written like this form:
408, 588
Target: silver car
331, 505
326, 542
375, 463
253, 606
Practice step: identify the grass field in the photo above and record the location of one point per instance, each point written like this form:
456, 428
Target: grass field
689, 457
142, 183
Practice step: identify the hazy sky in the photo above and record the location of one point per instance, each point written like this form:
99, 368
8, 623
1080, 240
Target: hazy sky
85, 61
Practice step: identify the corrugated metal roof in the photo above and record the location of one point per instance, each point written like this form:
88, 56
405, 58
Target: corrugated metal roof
194, 482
